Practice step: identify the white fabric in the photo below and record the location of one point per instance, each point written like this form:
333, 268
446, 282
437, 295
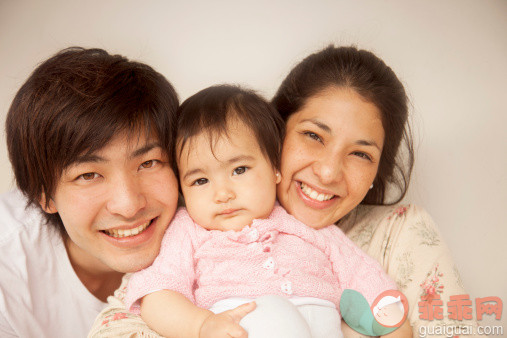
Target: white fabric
276, 316
40, 295
233, 302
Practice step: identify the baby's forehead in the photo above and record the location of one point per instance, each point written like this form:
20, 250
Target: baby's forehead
235, 134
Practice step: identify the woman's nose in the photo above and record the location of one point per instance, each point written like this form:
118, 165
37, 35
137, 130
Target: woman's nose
126, 198
224, 194
328, 169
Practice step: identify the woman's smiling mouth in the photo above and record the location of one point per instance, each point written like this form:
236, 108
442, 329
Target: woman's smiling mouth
313, 194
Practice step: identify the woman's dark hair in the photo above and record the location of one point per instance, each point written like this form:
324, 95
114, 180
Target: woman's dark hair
211, 109
369, 76
74, 103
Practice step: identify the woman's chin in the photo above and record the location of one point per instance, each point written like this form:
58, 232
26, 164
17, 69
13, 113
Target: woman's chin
316, 218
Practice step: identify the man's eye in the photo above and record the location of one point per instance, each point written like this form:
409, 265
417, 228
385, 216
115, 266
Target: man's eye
313, 136
239, 170
200, 181
149, 164
88, 176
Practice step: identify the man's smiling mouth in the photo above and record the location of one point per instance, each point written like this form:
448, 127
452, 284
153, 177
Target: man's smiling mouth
122, 233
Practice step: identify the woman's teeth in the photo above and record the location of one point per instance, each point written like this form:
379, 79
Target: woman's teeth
119, 233
314, 194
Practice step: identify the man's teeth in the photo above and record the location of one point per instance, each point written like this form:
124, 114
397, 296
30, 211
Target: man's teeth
314, 194
119, 233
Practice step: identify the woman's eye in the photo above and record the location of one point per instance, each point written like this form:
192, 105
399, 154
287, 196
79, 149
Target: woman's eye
148, 164
362, 155
200, 181
239, 170
313, 136
88, 176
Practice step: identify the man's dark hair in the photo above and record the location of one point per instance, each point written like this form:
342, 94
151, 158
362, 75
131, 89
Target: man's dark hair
74, 103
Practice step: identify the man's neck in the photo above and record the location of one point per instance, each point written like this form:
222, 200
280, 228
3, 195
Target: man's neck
99, 279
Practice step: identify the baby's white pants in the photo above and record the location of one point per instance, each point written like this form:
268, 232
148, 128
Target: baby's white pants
280, 317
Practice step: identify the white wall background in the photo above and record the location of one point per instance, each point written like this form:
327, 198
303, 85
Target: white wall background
451, 55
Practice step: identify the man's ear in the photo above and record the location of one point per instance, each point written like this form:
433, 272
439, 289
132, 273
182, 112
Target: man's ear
50, 208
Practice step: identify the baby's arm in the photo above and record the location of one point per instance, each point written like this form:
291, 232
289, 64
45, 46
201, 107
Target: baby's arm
172, 315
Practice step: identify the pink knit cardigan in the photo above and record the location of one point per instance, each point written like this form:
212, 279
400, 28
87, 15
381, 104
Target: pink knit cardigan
278, 255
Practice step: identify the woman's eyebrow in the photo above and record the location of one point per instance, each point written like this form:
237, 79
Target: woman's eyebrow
328, 130
319, 124
369, 143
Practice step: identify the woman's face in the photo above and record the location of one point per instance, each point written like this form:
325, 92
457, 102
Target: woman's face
330, 156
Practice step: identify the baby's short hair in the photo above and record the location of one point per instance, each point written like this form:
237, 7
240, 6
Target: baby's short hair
211, 109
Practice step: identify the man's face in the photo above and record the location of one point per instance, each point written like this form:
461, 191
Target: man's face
116, 203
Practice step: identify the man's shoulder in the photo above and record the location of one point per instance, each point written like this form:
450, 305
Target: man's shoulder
25, 238
16, 217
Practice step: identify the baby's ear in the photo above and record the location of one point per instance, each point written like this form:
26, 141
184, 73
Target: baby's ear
278, 177
50, 208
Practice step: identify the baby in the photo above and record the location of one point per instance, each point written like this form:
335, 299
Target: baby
234, 244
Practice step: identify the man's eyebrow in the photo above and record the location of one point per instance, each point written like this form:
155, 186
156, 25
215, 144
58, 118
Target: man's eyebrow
319, 124
145, 149
94, 158
88, 158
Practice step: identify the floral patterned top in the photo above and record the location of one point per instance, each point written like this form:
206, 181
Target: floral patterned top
406, 242
403, 239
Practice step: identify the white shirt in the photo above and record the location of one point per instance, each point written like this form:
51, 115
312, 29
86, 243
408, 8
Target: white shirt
40, 294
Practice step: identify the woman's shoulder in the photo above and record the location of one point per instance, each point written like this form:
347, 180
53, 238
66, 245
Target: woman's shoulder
368, 224
375, 215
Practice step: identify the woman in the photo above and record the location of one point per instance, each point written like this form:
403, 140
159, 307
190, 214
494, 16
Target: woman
346, 159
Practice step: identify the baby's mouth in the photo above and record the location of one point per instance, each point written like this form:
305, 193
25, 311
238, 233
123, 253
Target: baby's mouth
122, 233
313, 194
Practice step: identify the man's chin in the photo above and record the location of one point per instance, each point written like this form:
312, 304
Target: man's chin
133, 263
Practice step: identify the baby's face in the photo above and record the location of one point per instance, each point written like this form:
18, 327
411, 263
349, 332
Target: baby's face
229, 183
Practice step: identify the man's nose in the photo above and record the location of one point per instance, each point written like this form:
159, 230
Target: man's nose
127, 197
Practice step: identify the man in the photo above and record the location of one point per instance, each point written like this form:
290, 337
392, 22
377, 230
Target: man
89, 137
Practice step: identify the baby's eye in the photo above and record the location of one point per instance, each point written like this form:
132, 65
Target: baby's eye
87, 176
148, 164
239, 170
362, 155
313, 136
200, 181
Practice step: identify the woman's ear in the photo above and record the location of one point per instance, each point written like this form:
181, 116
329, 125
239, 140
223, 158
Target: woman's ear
278, 177
50, 208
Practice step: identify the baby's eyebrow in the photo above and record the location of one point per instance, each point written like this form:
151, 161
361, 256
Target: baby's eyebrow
240, 158
192, 172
